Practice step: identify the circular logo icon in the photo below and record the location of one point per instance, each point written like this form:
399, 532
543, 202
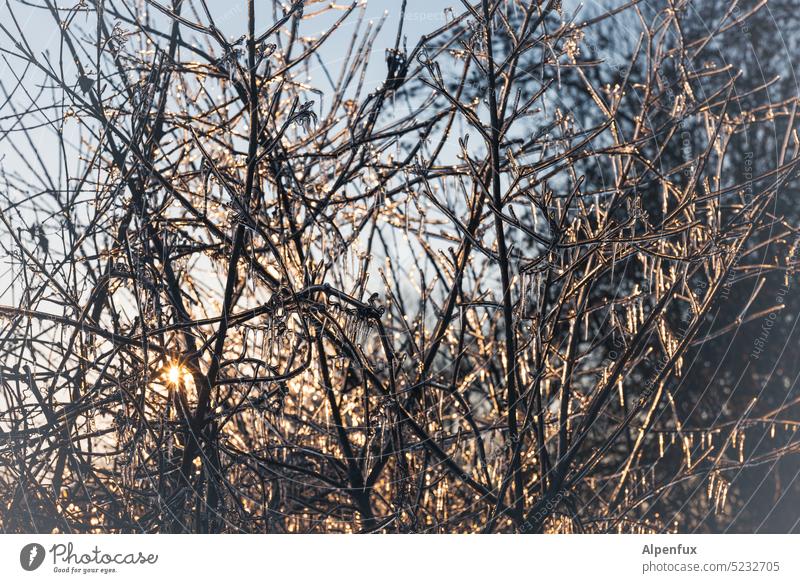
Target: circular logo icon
31, 556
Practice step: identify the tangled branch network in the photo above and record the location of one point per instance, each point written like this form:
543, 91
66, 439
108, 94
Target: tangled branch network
511, 266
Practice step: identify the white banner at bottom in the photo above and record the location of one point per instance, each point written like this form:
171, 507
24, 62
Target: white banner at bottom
398, 558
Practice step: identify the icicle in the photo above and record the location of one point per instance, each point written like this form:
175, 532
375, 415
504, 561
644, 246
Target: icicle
660, 445
687, 448
245, 334
741, 449
569, 415
722, 494
621, 393
586, 326
632, 327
